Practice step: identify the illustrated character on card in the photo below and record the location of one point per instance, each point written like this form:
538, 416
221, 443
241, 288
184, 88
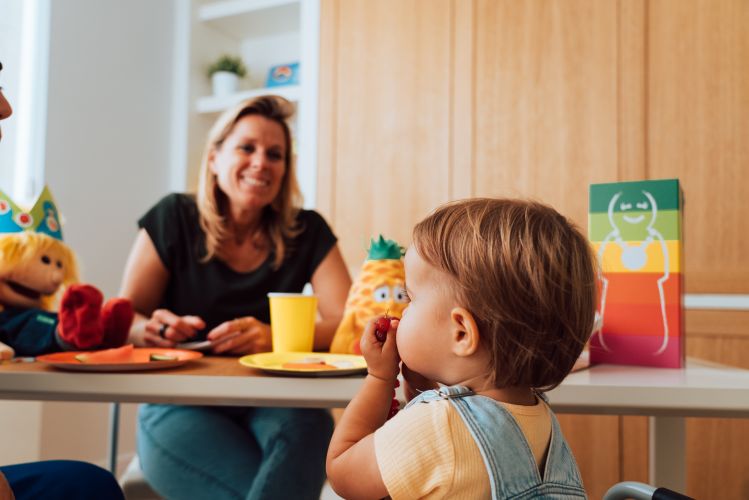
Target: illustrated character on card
378, 291
634, 212
35, 266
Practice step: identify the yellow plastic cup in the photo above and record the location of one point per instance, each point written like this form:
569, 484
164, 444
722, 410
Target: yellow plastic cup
292, 321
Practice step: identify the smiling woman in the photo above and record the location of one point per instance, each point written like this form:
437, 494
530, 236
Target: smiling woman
201, 268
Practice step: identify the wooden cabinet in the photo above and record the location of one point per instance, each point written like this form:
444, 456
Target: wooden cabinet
426, 101
385, 117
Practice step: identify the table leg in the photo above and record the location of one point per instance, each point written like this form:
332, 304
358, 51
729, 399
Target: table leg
667, 453
114, 426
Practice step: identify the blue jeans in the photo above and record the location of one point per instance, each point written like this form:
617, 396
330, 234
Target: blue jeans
233, 453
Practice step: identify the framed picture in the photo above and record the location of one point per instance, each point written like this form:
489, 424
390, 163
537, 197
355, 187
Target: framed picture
283, 74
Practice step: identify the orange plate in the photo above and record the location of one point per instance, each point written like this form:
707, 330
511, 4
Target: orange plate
140, 360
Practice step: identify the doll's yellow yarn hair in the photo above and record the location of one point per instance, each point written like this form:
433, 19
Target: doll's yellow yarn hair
18, 248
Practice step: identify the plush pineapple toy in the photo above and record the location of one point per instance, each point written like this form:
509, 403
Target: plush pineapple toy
379, 290
36, 266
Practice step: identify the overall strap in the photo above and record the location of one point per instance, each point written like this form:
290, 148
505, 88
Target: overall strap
512, 468
508, 459
564, 467
444, 392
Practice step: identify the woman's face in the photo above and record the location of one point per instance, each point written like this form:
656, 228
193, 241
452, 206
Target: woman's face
251, 163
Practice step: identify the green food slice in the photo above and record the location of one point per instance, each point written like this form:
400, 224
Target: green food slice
163, 357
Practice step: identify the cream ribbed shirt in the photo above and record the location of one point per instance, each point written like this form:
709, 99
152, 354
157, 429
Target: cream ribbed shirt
428, 452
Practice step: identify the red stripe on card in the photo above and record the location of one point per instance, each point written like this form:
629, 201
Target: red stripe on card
642, 320
636, 350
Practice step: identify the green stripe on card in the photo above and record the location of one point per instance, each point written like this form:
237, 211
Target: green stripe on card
666, 193
667, 223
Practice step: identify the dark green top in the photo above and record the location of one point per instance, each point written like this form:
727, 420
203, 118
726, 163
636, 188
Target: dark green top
213, 290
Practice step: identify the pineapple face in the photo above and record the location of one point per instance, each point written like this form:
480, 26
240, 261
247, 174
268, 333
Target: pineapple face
379, 290
388, 296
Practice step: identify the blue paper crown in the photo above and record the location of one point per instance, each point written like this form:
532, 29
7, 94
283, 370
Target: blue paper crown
42, 218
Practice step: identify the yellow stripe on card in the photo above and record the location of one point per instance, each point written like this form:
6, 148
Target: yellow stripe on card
640, 257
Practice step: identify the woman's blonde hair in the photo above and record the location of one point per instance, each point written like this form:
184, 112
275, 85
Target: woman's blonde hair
279, 218
18, 249
527, 275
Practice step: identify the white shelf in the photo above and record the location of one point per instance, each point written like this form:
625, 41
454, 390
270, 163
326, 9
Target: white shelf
214, 104
264, 33
241, 19
226, 8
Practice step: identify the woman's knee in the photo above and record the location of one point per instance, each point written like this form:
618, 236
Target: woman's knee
294, 420
310, 428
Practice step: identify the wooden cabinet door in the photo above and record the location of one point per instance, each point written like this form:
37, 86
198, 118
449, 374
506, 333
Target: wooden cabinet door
384, 111
698, 130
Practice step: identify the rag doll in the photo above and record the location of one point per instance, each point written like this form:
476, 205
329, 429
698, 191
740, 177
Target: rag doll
35, 267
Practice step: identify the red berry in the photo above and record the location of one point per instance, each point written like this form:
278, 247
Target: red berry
392, 412
382, 325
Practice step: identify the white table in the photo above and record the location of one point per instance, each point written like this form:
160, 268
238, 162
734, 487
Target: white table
667, 396
702, 389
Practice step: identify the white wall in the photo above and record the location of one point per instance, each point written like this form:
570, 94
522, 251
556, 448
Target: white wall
107, 161
10, 36
108, 134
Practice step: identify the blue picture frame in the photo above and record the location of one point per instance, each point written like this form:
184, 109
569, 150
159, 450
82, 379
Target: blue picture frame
283, 74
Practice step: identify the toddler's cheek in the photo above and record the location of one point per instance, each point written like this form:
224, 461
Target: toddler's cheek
401, 341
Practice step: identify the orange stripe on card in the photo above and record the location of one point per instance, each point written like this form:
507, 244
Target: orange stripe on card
640, 288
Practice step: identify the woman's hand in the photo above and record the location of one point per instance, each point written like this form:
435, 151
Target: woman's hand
246, 335
166, 329
382, 357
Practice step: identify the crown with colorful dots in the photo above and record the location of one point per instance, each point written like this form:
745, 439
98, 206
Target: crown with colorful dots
42, 218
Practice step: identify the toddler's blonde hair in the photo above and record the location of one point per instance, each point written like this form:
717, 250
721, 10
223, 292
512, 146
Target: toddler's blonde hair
527, 275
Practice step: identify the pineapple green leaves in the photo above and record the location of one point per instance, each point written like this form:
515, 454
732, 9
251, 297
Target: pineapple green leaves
382, 249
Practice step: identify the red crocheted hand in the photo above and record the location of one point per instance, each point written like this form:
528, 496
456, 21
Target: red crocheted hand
85, 324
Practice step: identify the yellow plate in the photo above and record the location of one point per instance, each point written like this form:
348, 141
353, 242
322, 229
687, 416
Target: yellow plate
318, 364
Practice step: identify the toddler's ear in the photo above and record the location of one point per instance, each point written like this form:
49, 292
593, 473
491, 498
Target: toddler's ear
465, 334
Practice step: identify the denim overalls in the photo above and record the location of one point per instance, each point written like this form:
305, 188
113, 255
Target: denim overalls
512, 469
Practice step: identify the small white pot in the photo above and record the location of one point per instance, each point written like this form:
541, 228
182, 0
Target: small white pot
224, 83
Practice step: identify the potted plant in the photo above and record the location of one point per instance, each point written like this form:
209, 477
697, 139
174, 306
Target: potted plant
225, 73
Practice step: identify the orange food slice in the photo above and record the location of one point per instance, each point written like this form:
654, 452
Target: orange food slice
122, 354
308, 366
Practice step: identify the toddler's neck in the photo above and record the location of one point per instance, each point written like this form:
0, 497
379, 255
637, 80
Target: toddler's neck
523, 396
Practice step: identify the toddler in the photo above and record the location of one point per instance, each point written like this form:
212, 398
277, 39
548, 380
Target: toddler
502, 300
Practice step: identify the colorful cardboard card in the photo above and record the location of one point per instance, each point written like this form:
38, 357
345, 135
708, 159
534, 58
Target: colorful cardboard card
636, 231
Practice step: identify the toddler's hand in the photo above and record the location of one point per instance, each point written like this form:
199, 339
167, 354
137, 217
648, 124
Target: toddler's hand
382, 357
